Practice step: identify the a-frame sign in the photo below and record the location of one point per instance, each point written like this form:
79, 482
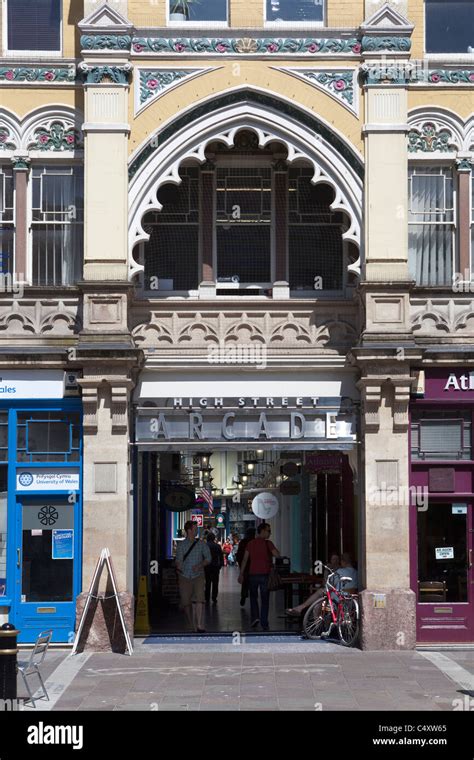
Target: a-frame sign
104, 559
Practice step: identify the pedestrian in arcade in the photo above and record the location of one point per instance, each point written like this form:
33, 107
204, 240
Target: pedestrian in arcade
259, 553
192, 556
212, 571
249, 536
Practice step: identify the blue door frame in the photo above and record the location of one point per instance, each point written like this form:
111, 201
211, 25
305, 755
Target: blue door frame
33, 617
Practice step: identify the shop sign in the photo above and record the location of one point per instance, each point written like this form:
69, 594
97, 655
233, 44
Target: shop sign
460, 382
444, 552
176, 498
459, 509
63, 544
318, 462
220, 521
37, 384
265, 505
198, 519
290, 488
257, 426
47, 479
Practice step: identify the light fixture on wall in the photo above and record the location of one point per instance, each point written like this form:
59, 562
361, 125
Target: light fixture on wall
204, 458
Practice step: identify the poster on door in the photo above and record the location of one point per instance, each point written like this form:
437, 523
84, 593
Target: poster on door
63, 544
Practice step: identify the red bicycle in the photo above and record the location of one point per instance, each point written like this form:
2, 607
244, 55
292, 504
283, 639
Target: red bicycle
335, 608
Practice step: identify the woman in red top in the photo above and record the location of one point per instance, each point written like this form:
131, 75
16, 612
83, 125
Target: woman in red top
259, 553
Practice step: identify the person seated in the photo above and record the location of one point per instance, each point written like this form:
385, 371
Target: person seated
317, 593
347, 570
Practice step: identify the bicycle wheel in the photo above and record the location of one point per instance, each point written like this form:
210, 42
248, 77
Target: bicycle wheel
313, 621
348, 622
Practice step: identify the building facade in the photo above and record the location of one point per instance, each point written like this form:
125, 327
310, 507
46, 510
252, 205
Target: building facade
233, 227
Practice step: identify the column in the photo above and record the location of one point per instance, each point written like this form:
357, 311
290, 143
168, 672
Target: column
464, 168
280, 173
207, 281
21, 168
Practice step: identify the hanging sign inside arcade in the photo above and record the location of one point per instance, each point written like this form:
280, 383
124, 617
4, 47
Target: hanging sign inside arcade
254, 419
265, 505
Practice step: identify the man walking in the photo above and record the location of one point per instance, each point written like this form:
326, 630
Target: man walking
259, 553
213, 570
192, 556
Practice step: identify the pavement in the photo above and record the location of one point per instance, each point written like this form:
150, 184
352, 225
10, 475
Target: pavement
256, 674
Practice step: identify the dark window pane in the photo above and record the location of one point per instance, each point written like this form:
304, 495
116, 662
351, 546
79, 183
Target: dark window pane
171, 255
449, 26
295, 10
34, 24
243, 251
202, 10
48, 436
315, 252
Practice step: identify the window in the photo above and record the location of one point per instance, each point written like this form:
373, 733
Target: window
48, 437
3, 500
243, 225
315, 246
34, 25
295, 10
7, 230
198, 10
441, 435
431, 225
57, 224
449, 26
172, 252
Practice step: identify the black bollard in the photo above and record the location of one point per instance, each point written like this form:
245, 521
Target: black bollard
8, 661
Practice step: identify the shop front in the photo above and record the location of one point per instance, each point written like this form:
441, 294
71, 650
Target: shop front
442, 491
40, 503
205, 448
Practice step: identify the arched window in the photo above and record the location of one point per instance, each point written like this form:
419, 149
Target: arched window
242, 221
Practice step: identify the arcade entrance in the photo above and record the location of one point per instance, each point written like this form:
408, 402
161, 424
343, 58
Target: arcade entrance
316, 518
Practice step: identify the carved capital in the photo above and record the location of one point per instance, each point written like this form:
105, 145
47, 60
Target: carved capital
90, 405
371, 391
401, 402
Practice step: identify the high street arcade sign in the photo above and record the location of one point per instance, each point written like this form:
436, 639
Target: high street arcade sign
246, 419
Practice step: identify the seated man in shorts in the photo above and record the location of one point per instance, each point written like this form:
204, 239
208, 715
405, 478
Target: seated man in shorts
192, 556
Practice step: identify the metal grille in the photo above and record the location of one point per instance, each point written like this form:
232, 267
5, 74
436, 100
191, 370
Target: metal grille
243, 224
7, 230
441, 435
315, 245
57, 224
171, 255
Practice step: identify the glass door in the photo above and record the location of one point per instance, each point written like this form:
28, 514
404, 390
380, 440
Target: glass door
46, 558
445, 583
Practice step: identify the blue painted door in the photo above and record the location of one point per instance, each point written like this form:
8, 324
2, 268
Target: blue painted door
47, 567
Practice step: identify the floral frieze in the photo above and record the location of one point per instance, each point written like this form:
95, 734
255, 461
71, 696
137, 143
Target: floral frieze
106, 41
55, 137
429, 138
246, 46
16, 74
5, 139
155, 81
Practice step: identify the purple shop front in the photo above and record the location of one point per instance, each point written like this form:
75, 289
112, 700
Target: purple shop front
442, 499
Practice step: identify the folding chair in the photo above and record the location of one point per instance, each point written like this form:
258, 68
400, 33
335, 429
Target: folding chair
32, 667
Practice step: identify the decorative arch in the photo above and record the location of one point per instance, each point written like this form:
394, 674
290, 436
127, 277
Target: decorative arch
51, 128
439, 131
305, 137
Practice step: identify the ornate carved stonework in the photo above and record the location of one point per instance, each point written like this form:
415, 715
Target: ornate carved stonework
56, 136
48, 317
245, 46
93, 74
310, 330
439, 317
429, 138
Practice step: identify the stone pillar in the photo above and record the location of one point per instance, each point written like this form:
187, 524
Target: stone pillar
21, 167
207, 278
464, 167
388, 606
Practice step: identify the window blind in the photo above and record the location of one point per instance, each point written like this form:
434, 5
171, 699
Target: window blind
34, 24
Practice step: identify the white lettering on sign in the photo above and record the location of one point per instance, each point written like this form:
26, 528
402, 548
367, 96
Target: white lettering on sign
463, 383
